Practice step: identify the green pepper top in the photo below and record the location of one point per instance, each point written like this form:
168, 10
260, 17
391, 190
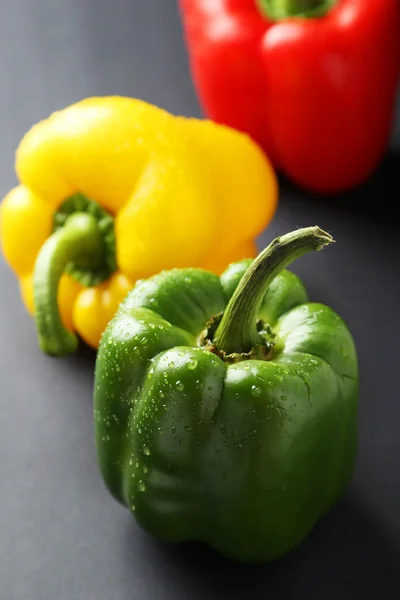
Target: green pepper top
226, 408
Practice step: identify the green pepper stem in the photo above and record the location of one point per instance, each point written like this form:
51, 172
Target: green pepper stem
237, 331
283, 9
80, 241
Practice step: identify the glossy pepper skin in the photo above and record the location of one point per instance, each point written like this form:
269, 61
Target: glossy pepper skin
313, 81
112, 190
240, 432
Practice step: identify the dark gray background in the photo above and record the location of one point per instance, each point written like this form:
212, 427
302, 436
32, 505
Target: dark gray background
61, 535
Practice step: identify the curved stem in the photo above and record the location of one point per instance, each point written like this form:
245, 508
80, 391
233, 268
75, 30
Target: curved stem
237, 331
79, 240
283, 9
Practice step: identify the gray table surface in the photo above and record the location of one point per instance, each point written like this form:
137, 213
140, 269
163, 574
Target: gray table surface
61, 535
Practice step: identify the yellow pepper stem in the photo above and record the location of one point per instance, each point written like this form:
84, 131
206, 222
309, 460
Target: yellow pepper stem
237, 331
78, 241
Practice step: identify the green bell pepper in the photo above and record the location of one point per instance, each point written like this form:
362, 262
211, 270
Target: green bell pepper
226, 408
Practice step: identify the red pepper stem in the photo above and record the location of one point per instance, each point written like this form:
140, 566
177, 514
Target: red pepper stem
237, 331
78, 240
283, 9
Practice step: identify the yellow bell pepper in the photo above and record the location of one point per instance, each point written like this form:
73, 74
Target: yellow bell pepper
113, 190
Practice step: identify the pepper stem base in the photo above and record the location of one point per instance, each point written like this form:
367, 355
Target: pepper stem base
277, 10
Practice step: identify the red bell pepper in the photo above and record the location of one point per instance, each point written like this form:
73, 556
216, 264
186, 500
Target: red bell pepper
313, 81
